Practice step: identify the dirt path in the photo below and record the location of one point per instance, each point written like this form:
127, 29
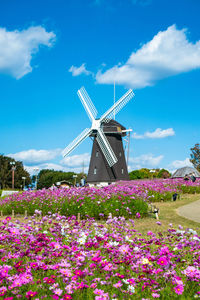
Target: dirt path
190, 211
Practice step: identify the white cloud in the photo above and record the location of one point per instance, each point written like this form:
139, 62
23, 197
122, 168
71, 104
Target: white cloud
157, 134
18, 47
76, 160
137, 136
33, 156
180, 164
76, 71
167, 54
144, 161
53, 166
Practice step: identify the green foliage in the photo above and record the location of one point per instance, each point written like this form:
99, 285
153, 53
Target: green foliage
6, 173
145, 173
163, 174
46, 178
186, 189
159, 197
195, 156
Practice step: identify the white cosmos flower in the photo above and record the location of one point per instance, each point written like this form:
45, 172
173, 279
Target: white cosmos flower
131, 289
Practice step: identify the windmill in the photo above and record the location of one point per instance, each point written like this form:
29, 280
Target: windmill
107, 163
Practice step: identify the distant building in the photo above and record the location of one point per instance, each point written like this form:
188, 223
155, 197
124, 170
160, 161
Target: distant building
185, 171
64, 184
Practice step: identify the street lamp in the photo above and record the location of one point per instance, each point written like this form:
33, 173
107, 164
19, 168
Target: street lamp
24, 178
12, 163
36, 176
75, 176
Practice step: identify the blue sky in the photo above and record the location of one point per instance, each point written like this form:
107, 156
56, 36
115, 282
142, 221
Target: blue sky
49, 49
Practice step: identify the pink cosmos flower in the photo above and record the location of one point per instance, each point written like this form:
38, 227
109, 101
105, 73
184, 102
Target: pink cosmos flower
138, 215
98, 292
66, 272
55, 245
118, 284
58, 292
93, 285
67, 297
108, 267
102, 297
14, 231
30, 294
158, 223
33, 265
124, 249
191, 272
3, 290
162, 261
155, 295
131, 281
179, 289
79, 273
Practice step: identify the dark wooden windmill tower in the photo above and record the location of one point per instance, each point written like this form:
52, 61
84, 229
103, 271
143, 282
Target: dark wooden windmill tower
107, 163
99, 169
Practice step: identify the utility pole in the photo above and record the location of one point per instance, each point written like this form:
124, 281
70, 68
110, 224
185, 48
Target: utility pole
13, 173
24, 178
114, 99
128, 148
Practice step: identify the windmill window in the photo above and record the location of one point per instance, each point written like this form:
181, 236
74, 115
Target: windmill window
120, 154
95, 171
97, 154
122, 171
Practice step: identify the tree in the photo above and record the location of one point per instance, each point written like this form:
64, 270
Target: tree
195, 156
149, 173
6, 173
46, 178
163, 174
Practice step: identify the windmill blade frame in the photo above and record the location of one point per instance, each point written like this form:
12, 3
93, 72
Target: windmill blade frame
106, 148
77, 141
87, 103
117, 106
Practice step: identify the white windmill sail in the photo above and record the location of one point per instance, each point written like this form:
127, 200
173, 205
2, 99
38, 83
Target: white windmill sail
117, 106
87, 104
96, 127
79, 139
106, 148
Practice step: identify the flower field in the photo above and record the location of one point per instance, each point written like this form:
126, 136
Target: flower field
55, 257
122, 199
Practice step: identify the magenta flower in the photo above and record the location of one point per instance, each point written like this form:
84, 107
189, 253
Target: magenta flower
30, 294
118, 284
124, 249
3, 290
179, 289
79, 273
67, 297
162, 261
98, 292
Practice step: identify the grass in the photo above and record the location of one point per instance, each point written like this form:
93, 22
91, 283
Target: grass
168, 214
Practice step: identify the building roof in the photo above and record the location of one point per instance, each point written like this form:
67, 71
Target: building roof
182, 172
